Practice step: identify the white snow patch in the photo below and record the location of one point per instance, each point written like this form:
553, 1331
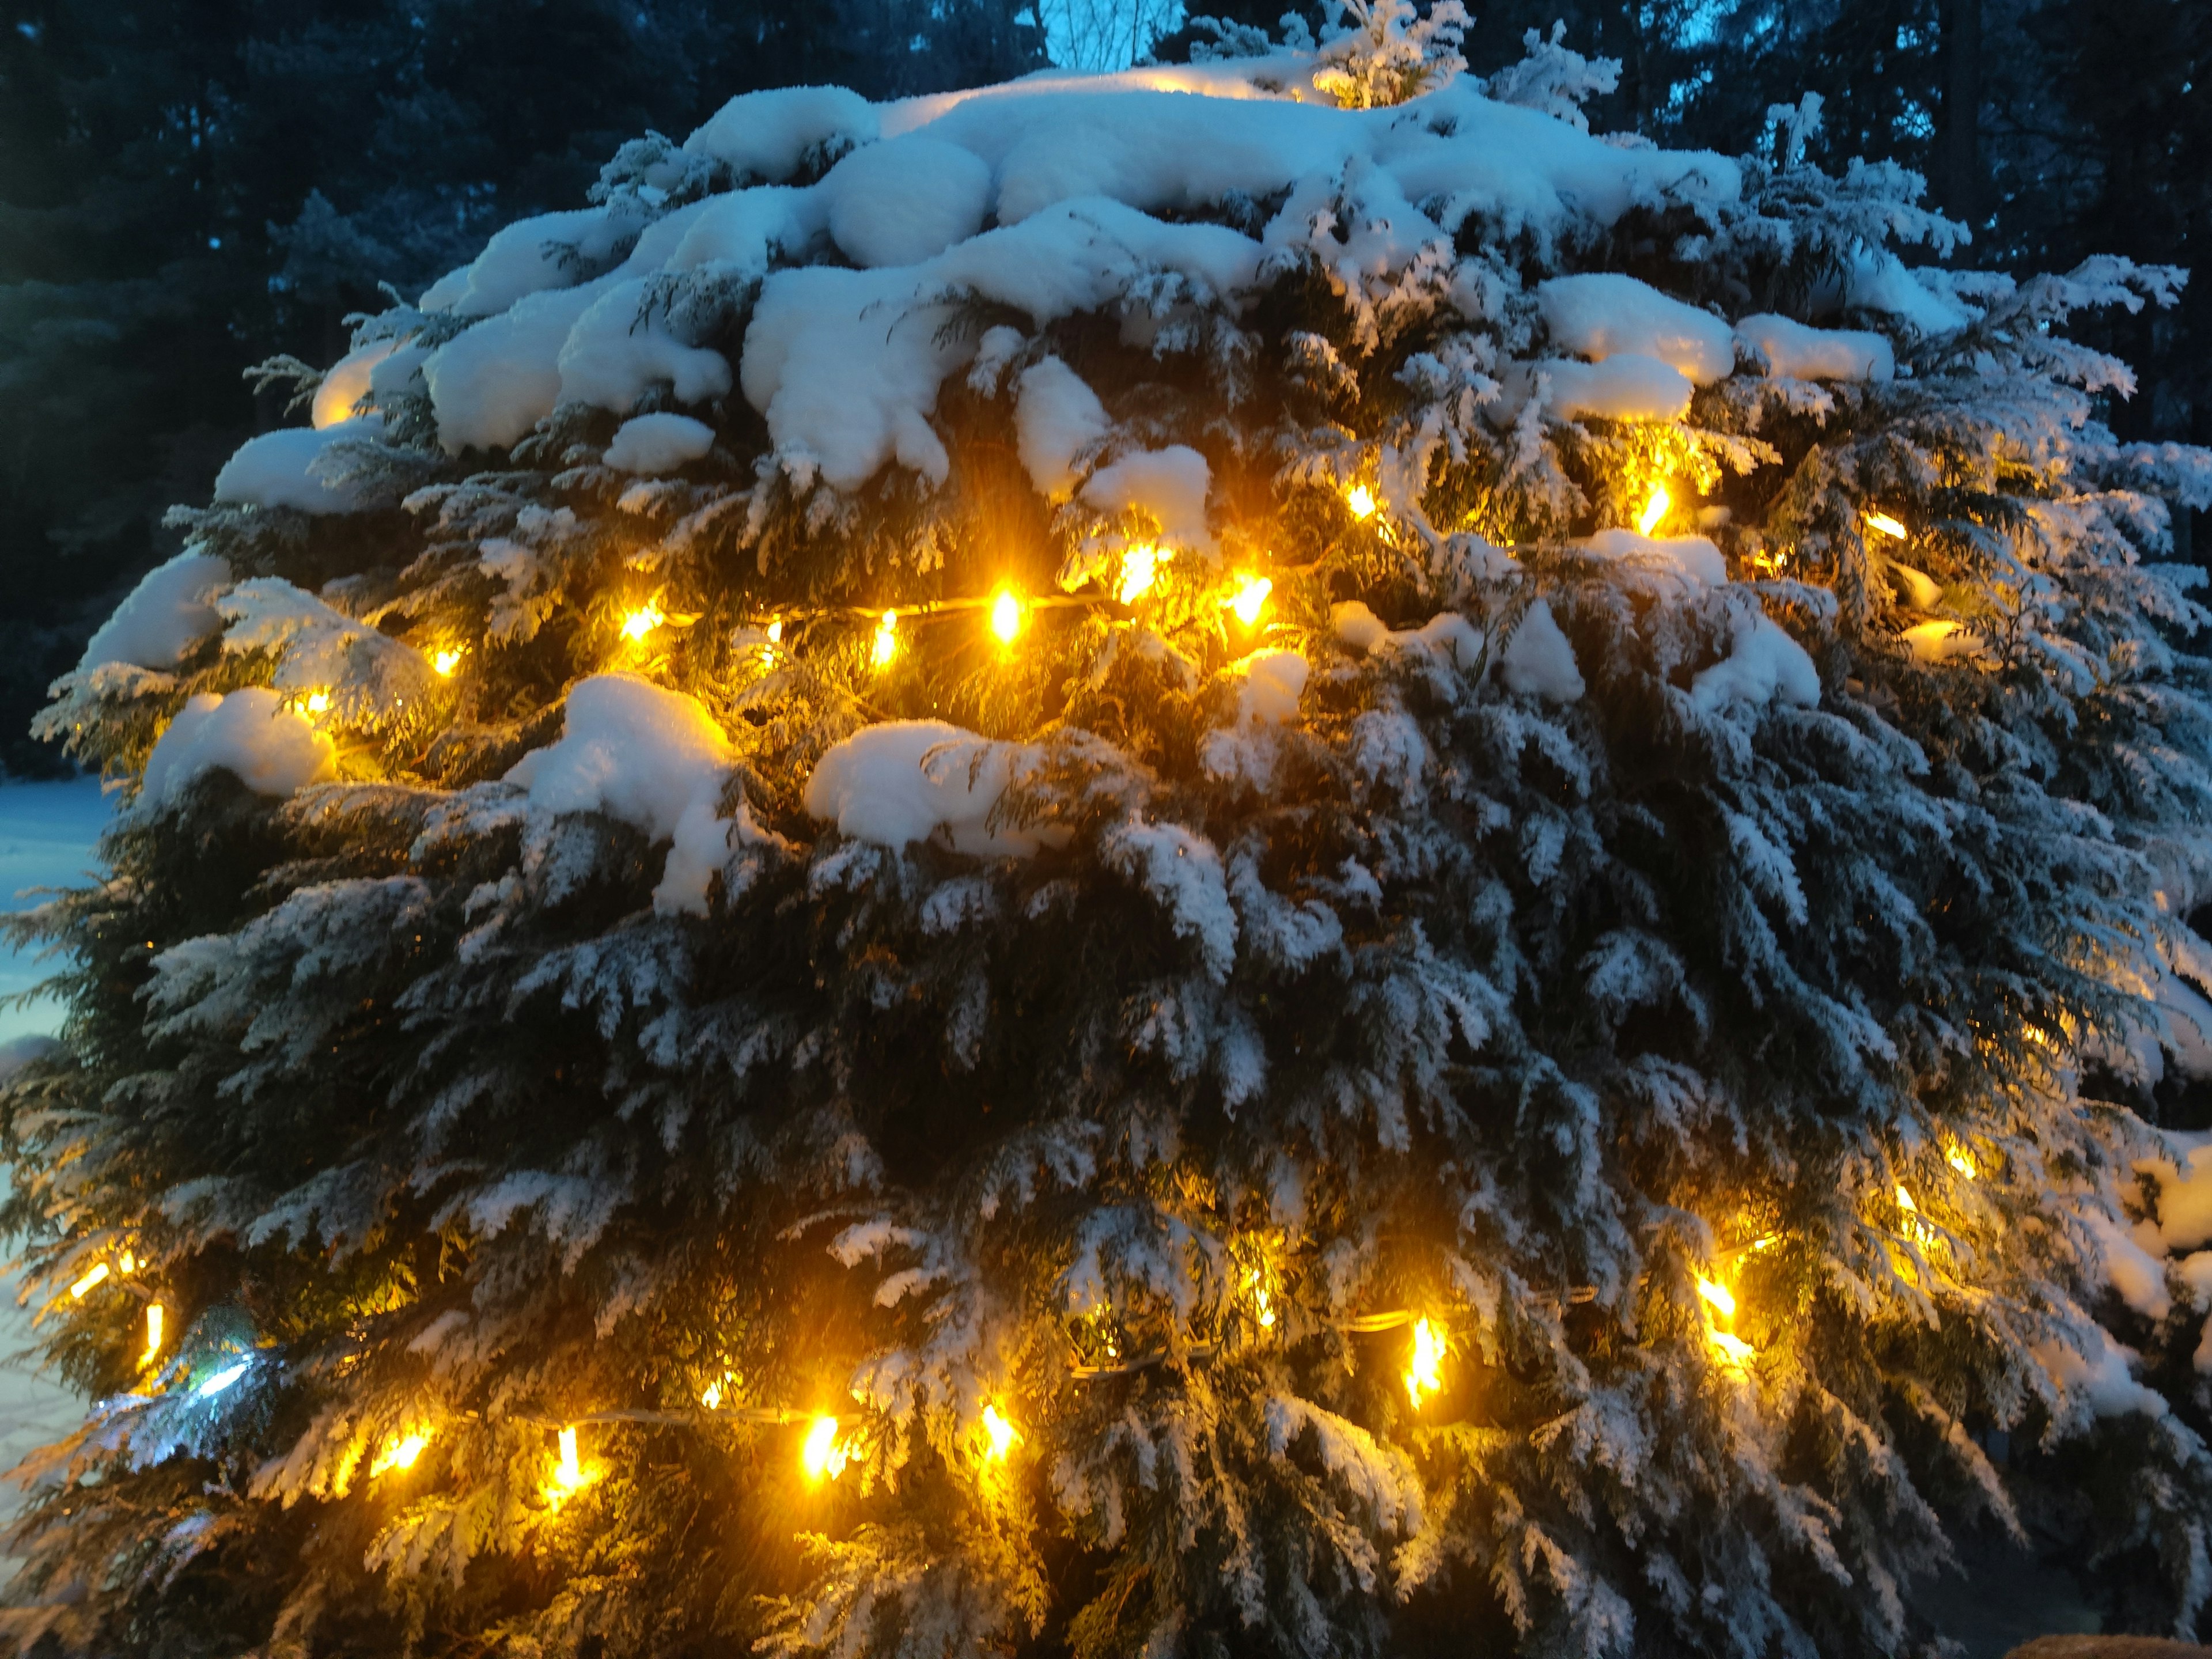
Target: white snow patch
1272, 682
742, 233
1448, 637
1057, 417
529, 256
347, 382
1764, 664
1169, 484
906, 200
615, 352
2101, 1381
2184, 1194
1602, 315
490, 385
1789, 349
1540, 659
906, 781
654, 444
1692, 559
289, 468
766, 135
160, 621
272, 747
2133, 1271
1629, 386
1880, 282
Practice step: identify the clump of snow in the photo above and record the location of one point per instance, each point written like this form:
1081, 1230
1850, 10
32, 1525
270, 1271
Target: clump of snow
1629, 386
529, 256
654, 758
1878, 281
1941, 642
742, 233
1603, 314
1692, 559
1448, 637
1764, 664
769, 135
2133, 1271
1272, 682
491, 384
367, 677
292, 467
1056, 418
846, 364
348, 382
272, 747
654, 444
2100, 1383
1540, 659
902, 781
615, 351
906, 200
1169, 484
1790, 349
2185, 1195
1182, 871
160, 621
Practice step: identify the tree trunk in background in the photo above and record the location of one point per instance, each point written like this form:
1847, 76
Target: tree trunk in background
1958, 186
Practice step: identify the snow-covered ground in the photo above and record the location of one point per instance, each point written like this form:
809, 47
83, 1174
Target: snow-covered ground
46, 832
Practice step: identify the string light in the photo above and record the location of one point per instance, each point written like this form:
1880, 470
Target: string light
886, 646
96, 1277
445, 662
1250, 599
127, 1263
318, 702
400, 1452
1888, 526
155, 1316
569, 1475
820, 1453
1361, 500
1735, 1353
1719, 1295
1424, 1365
776, 630
1960, 1159
1905, 1201
1263, 1308
642, 621
999, 1435
1654, 510
1005, 615
1139, 565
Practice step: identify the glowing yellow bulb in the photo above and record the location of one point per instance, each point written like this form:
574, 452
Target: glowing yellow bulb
1139, 565
1263, 1306
569, 1475
776, 630
1905, 1201
1250, 599
886, 644
318, 702
1719, 1295
97, 1276
402, 1450
1424, 1365
999, 1435
1654, 510
1888, 526
445, 662
711, 1396
1005, 615
1962, 1160
821, 1456
1361, 500
154, 1320
642, 621
127, 1264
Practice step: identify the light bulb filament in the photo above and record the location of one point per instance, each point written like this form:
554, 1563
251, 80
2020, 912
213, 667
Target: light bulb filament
886, 644
820, 1454
1005, 615
1424, 1365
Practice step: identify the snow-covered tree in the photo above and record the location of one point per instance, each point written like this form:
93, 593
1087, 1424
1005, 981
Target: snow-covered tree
1173, 864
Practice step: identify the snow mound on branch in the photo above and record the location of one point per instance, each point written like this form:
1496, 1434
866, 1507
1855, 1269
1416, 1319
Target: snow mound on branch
654, 444
272, 747
769, 135
531, 255
1056, 418
490, 385
742, 234
291, 468
1448, 637
1880, 282
2099, 1384
846, 364
347, 382
160, 621
616, 350
1629, 386
1793, 350
1540, 659
367, 677
1169, 484
906, 200
656, 760
1764, 664
902, 781
1692, 559
1602, 315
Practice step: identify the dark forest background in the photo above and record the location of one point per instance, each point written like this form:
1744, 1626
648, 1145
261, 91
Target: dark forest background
187, 187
